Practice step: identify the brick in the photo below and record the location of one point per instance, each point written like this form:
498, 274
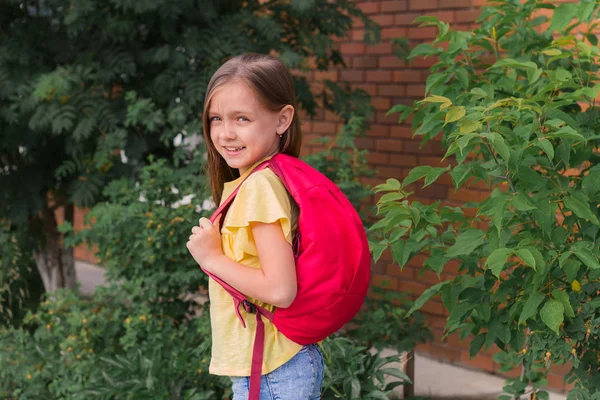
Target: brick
465, 195
466, 15
393, 33
405, 18
381, 103
378, 76
370, 88
381, 48
369, 7
357, 22
377, 158
383, 20
423, 4
436, 192
391, 145
390, 172
479, 362
407, 76
391, 62
391, 90
394, 6
445, 16
454, 3
401, 131
423, 63
331, 117
415, 90
352, 48
444, 352
352, 75
426, 32
407, 273
324, 127
322, 75
435, 321
404, 160
378, 130
365, 143
382, 117
556, 381
364, 62
357, 35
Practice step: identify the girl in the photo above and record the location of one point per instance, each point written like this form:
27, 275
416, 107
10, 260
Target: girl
249, 116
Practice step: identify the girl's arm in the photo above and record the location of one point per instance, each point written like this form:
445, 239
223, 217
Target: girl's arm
274, 283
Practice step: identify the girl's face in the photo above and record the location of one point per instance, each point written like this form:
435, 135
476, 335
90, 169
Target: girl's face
242, 129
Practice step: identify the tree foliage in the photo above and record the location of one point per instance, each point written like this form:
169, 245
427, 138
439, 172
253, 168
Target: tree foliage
89, 89
515, 103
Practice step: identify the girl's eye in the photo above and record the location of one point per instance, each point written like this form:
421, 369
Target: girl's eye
213, 119
243, 119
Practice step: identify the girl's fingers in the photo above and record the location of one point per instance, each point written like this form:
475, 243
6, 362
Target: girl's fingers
204, 223
196, 229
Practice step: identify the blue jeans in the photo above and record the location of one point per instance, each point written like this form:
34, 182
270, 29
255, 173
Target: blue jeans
301, 378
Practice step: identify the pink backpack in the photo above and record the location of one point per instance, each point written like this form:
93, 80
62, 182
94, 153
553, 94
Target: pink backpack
333, 262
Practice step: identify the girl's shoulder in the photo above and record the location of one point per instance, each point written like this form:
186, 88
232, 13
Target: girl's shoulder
262, 179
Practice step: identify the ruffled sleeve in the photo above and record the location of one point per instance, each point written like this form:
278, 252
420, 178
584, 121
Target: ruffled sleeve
261, 198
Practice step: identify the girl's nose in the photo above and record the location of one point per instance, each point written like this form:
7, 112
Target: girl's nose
228, 131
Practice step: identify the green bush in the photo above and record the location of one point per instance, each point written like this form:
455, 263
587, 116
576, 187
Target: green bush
515, 102
112, 346
20, 285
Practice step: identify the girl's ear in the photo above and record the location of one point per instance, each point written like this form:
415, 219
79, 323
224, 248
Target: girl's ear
284, 119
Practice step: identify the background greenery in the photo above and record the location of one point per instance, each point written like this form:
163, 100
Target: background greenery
515, 104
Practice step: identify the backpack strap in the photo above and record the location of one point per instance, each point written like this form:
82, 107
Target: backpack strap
240, 300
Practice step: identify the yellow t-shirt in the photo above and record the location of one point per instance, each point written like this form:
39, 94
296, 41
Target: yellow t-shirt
261, 198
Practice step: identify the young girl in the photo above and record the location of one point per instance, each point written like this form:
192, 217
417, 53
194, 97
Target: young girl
249, 116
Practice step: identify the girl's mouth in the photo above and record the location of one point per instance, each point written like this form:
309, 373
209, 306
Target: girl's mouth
233, 150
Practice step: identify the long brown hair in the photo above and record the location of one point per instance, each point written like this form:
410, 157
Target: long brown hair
272, 82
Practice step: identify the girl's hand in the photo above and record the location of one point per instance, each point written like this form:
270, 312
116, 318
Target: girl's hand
205, 243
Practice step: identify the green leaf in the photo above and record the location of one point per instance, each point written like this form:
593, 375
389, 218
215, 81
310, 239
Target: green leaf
415, 174
553, 314
552, 52
468, 126
497, 260
562, 17
522, 203
446, 102
476, 344
546, 147
377, 249
426, 296
434, 80
566, 132
587, 257
433, 175
564, 299
531, 306
571, 268
463, 77
526, 256
479, 93
466, 242
454, 114
389, 185
581, 209
425, 50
